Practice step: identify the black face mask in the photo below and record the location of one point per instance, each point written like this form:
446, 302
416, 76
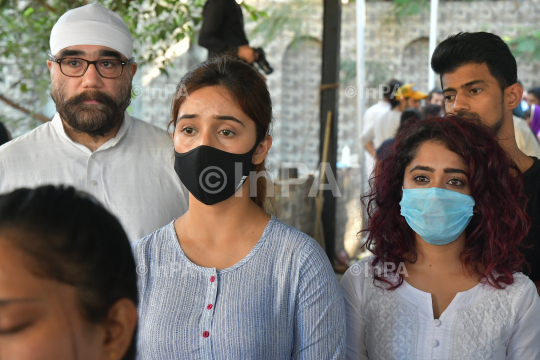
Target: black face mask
213, 175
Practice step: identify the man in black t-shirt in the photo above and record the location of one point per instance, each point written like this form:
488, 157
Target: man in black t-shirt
479, 79
222, 30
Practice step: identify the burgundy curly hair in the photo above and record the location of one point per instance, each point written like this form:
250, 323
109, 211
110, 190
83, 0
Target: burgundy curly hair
496, 184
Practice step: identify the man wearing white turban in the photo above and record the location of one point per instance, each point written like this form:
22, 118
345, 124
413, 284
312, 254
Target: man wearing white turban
92, 143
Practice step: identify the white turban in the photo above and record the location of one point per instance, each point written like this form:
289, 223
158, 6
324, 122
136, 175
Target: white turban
91, 25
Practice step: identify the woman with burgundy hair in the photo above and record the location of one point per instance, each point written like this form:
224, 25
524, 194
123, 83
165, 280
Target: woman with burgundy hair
446, 217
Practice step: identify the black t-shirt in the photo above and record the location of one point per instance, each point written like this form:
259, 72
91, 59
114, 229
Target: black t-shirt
223, 27
531, 179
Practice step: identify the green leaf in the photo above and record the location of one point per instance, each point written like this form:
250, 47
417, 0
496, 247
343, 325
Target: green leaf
160, 9
28, 11
527, 45
164, 71
4, 4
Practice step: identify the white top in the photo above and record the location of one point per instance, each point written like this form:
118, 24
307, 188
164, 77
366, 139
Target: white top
132, 174
383, 128
525, 139
368, 119
374, 112
482, 323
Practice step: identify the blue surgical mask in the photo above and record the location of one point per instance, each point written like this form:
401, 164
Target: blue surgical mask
439, 216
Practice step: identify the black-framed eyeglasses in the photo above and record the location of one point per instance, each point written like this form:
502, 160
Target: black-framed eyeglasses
76, 67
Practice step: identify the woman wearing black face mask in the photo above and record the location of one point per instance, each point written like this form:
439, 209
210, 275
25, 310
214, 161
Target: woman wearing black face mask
227, 280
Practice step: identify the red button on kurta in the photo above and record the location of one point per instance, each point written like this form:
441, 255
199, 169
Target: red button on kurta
212, 279
205, 334
209, 307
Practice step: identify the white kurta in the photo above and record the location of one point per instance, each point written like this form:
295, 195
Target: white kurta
132, 174
525, 139
369, 118
383, 128
482, 323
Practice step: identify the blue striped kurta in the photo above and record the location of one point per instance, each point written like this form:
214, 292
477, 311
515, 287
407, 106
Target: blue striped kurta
282, 301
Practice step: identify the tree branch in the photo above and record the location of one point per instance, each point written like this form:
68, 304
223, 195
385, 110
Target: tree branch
47, 6
36, 116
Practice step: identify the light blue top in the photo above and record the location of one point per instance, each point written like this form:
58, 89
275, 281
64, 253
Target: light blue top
282, 301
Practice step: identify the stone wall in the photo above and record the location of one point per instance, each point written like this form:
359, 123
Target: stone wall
298, 210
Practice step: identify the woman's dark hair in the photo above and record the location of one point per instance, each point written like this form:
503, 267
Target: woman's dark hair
476, 48
247, 88
499, 223
71, 238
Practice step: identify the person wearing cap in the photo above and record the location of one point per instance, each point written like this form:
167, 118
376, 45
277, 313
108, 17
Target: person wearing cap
92, 143
384, 127
412, 96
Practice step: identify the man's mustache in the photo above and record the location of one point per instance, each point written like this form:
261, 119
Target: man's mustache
471, 115
96, 95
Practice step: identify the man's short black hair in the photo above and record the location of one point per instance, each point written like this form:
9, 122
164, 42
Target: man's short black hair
476, 48
394, 101
391, 88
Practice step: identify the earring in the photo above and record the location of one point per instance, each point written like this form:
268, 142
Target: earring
112, 355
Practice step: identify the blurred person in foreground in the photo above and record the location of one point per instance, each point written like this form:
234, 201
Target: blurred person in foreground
479, 79
92, 143
446, 218
68, 285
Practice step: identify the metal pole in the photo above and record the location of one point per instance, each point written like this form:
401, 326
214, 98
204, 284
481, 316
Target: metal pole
360, 72
432, 40
330, 102
360, 95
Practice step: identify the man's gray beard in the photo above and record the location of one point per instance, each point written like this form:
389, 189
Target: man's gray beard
92, 119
